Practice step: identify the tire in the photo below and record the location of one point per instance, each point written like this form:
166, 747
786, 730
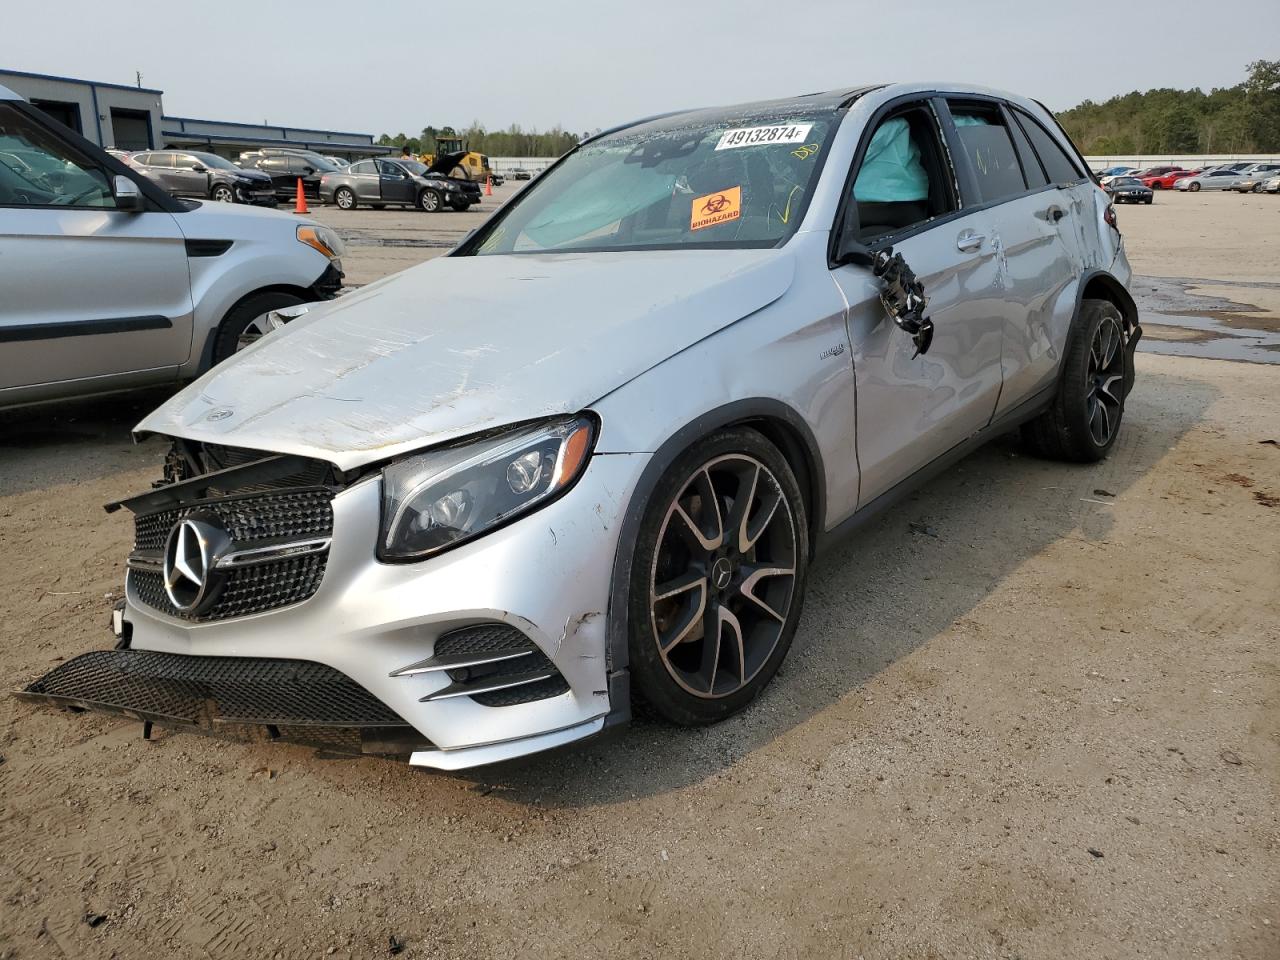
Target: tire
460, 205
1084, 419
1157, 185
1193, 187
221, 193
238, 321
1148, 201
1256, 188
345, 198
753, 594
429, 200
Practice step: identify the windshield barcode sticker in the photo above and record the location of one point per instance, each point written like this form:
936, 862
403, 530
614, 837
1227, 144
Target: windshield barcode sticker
759, 136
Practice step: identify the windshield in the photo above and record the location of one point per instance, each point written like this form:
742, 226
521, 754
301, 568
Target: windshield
686, 181
414, 167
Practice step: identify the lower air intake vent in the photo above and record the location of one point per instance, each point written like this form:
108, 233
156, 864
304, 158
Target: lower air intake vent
494, 664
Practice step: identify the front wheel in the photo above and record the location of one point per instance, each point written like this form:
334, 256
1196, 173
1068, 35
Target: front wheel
717, 579
1082, 422
1193, 187
222, 194
345, 198
249, 321
429, 201
460, 205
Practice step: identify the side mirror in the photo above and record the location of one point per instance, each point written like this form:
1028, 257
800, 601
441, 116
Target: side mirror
128, 196
199, 169
308, 170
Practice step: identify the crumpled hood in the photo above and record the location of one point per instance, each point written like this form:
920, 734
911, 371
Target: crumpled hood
460, 345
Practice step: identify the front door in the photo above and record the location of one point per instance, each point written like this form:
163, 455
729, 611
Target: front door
90, 292
188, 182
397, 185
912, 408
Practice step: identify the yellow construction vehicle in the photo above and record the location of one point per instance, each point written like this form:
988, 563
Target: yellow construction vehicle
466, 163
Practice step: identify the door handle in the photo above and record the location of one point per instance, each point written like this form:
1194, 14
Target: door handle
969, 240
1053, 214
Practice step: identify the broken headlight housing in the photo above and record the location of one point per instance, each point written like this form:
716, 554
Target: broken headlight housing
443, 498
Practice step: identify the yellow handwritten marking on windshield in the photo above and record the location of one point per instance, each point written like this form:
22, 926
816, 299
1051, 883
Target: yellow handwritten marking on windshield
785, 215
716, 208
806, 151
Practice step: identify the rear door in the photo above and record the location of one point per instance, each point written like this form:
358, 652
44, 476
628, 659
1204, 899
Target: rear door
1033, 219
912, 408
91, 294
396, 185
365, 181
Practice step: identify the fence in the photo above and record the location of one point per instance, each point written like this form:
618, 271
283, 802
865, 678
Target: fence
505, 165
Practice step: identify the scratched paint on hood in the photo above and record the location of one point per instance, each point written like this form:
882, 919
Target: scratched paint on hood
460, 345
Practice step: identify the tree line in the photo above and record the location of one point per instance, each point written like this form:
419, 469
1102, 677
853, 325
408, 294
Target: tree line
1240, 119
512, 142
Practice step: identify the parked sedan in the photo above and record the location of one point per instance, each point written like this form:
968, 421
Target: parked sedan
193, 173
1253, 177
1272, 185
1129, 190
1217, 179
1163, 178
406, 183
520, 173
479, 508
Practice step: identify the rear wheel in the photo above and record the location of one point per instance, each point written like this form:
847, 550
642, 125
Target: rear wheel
1084, 418
345, 198
249, 321
717, 579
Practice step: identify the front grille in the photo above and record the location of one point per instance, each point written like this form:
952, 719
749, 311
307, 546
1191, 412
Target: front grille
292, 508
301, 515
256, 589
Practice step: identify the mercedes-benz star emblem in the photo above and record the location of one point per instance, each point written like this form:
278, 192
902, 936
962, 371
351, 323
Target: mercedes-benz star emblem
190, 577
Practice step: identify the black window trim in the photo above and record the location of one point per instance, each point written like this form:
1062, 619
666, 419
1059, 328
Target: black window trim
1022, 118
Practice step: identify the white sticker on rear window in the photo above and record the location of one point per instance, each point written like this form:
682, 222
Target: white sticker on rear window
759, 136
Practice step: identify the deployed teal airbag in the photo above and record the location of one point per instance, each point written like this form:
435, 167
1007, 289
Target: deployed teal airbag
891, 171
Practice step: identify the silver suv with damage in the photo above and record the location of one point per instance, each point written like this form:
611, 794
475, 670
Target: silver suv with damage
483, 507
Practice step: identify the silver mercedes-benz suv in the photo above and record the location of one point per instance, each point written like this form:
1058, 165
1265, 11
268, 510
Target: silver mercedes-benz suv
484, 507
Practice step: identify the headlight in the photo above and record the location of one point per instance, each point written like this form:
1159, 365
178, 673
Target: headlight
437, 500
323, 239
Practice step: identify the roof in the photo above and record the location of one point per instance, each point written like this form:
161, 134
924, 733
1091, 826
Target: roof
83, 83
193, 137
264, 126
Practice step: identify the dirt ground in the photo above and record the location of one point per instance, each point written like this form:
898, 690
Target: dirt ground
1046, 726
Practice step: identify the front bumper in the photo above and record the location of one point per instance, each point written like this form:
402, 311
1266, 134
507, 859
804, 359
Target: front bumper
546, 575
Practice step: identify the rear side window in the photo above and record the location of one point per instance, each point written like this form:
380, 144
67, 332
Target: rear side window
1056, 162
364, 167
1031, 168
985, 141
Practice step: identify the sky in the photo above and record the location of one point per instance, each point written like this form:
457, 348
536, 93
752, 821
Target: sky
396, 66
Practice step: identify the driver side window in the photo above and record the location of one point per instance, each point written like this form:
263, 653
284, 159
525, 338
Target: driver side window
37, 169
904, 178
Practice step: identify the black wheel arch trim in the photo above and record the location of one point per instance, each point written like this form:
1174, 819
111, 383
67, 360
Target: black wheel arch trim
1128, 311
797, 444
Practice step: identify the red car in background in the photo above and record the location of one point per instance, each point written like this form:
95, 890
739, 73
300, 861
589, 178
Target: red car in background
1162, 178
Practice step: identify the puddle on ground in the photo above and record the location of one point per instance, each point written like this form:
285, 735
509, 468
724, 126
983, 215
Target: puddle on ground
1180, 322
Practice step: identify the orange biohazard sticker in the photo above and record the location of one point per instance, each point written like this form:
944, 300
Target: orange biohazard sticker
716, 208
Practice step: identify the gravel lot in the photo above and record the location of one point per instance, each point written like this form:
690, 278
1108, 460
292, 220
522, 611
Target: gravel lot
1047, 726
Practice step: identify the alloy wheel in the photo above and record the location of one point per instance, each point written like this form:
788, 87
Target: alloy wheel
258, 328
222, 194
1105, 381
723, 576
345, 200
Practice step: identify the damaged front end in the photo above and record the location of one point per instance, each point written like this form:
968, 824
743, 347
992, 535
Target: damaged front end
256, 608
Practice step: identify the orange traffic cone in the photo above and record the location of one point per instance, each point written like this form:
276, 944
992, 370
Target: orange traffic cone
300, 204
488, 185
